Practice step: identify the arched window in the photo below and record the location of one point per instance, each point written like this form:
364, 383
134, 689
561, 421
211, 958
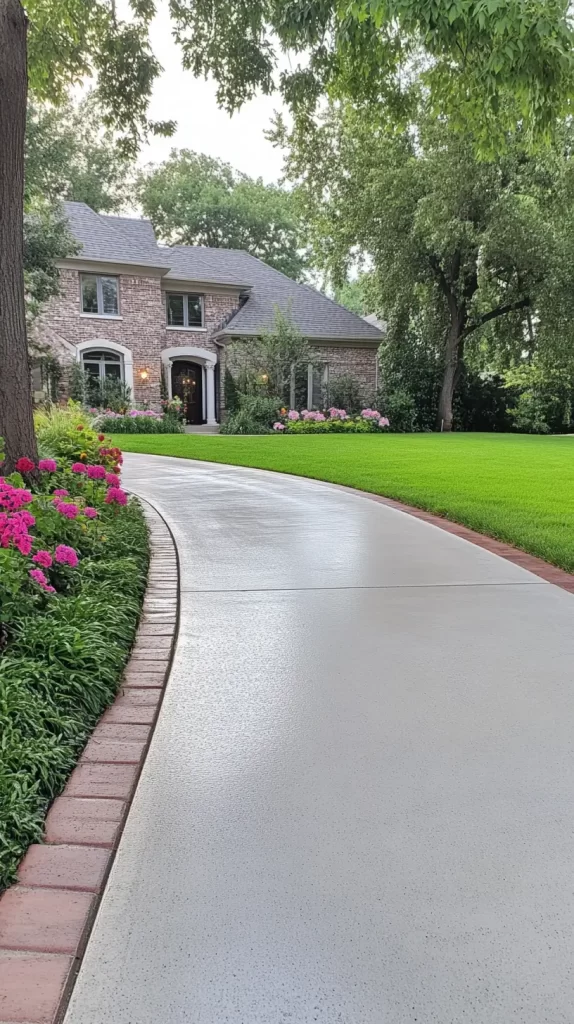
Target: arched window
103, 363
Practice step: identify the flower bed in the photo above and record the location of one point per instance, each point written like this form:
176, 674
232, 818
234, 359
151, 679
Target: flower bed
73, 565
334, 421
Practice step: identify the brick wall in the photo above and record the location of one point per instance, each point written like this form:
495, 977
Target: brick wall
361, 363
142, 327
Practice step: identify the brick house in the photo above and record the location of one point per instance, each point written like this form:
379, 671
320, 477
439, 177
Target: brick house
134, 310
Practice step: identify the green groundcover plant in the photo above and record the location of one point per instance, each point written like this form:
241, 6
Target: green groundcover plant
73, 567
141, 421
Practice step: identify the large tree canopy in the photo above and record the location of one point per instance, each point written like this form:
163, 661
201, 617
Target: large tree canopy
48, 46
69, 156
469, 245
481, 60
193, 199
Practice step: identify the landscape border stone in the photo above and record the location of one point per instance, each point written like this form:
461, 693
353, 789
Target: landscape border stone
47, 915
537, 566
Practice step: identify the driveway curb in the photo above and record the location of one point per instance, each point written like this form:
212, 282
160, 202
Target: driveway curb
537, 566
47, 916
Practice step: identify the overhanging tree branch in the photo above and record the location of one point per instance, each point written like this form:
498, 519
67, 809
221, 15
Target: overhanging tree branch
495, 313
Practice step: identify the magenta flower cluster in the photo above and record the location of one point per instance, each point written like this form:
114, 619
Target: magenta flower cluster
13, 498
14, 531
39, 577
66, 555
96, 472
117, 496
66, 508
43, 558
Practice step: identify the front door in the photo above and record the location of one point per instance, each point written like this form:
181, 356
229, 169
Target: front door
187, 384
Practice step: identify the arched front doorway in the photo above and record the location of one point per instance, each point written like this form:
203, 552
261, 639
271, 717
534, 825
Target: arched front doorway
187, 384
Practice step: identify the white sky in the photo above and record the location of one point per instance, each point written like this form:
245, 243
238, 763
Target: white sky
201, 125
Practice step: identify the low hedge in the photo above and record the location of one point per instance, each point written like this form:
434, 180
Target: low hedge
62, 653
140, 424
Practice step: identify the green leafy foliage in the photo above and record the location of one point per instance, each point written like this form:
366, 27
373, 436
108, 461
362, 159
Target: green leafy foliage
334, 426
483, 63
193, 199
346, 392
63, 652
167, 424
466, 256
270, 364
68, 156
67, 433
255, 415
97, 392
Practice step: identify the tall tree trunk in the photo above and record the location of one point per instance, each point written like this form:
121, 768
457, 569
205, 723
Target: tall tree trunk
453, 352
16, 409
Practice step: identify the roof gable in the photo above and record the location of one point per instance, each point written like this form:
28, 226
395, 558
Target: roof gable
113, 239
131, 240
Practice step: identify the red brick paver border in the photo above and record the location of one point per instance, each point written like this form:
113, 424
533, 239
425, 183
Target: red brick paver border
537, 566
45, 918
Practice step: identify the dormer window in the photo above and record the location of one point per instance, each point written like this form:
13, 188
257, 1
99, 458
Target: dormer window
99, 295
184, 310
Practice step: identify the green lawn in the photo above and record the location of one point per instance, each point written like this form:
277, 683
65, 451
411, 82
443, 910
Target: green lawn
518, 488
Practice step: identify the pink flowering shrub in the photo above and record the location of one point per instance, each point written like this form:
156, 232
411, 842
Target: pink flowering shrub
66, 555
48, 527
336, 421
38, 576
43, 558
116, 495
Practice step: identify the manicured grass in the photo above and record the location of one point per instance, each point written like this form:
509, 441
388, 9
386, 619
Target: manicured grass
516, 487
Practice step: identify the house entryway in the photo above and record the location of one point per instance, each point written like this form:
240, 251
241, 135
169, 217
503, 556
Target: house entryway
189, 373
187, 384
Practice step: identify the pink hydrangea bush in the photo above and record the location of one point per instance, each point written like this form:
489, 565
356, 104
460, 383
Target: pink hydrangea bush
335, 420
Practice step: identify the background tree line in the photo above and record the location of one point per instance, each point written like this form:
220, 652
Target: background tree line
484, 67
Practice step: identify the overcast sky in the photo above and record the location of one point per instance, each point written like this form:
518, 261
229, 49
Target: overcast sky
201, 125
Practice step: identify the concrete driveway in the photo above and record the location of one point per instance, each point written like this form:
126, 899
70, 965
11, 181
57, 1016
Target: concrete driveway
358, 805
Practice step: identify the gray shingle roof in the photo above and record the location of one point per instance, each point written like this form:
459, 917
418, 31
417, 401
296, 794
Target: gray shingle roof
108, 238
315, 315
129, 240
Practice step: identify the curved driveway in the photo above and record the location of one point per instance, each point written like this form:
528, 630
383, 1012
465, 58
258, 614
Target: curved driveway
358, 805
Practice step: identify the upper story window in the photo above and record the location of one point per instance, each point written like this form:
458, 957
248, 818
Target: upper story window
184, 310
100, 295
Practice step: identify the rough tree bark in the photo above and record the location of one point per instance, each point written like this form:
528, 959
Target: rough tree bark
453, 354
16, 408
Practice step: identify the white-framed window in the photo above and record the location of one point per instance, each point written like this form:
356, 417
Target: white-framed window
103, 364
309, 386
184, 309
318, 386
100, 294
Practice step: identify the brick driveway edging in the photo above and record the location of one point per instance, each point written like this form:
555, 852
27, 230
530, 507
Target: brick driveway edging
47, 915
537, 566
